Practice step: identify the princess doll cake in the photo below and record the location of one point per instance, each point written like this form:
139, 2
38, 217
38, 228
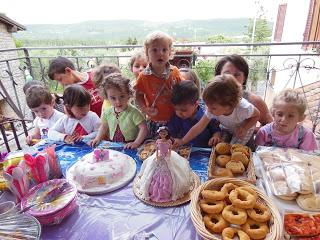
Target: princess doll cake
165, 176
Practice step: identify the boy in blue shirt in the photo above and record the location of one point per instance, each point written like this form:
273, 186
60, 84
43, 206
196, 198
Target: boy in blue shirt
188, 111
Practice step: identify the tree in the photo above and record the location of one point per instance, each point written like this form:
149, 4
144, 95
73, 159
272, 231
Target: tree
220, 38
263, 30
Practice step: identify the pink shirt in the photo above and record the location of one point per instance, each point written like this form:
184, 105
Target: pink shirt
305, 140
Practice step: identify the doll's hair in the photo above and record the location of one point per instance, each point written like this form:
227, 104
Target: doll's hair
239, 62
137, 55
117, 81
223, 90
164, 128
292, 97
37, 95
154, 36
102, 71
58, 65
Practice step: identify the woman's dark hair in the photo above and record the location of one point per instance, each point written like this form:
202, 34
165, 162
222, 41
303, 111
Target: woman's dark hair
238, 61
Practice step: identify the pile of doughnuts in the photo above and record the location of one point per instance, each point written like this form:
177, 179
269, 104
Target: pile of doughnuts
230, 160
147, 150
234, 211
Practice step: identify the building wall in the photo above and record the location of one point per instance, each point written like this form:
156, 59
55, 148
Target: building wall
6, 42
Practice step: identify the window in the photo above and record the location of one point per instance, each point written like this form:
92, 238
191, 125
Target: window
280, 22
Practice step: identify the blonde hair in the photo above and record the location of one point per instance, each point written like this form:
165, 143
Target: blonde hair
103, 70
223, 90
137, 55
117, 81
157, 35
293, 97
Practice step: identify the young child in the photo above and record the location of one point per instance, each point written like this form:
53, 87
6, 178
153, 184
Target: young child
190, 74
62, 70
154, 84
122, 122
79, 123
41, 103
236, 115
138, 63
188, 111
288, 110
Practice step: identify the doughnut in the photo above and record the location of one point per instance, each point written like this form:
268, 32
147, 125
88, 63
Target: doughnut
223, 148
228, 187
222, 172
236, 166
259, 213
229, 234
234, 215
215, 223
211, 206
239, 156
213, 195
222, 160
255, 230
241, 198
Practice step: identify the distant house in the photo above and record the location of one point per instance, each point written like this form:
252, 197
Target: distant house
7, 27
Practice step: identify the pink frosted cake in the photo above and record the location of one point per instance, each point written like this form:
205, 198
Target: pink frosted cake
99, 168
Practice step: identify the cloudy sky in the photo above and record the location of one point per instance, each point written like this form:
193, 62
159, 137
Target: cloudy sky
73, 11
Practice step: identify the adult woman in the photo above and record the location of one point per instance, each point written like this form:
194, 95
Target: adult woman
238, 67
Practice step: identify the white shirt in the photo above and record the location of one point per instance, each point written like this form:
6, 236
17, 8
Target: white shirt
45, 124
242, 111
66, 126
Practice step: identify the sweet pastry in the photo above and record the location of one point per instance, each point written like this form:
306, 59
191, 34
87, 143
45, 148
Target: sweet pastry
229, 234
255, 230
240, 148
242, 198
239, 156
101, 167
215, 223
236, 167
222, 172
209, 206
222, 160
298, 224
259, 213
234, 215
223, 148
309, 202
283, 191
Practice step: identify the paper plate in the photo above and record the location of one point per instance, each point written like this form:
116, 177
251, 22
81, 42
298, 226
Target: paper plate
38, 192
184, 199
129, 174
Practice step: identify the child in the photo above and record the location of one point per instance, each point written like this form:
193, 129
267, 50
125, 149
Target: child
122, 122
288, 109
79, 123
138, 63
236, 115
154, 84
190, 74
63, 70
188, 111
41, 103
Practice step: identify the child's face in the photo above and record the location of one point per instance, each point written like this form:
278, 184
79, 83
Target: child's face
229, 68
138, 66
159, 53
186, 111
286, 116
64, 78
118, 99
44, 111
218, 110
79, 112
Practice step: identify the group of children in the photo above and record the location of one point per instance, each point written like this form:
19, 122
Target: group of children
161, 96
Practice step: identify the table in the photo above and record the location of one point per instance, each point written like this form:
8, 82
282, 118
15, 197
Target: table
120, 215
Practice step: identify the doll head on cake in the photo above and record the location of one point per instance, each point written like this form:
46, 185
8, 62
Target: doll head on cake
100, 155
163, 133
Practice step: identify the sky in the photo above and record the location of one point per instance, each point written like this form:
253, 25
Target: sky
74, 11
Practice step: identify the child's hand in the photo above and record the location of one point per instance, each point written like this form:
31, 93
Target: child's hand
240, 132
215, 139
77, 138
69, 139
131, 145
150, 111
177, 142
29, 140
94, 142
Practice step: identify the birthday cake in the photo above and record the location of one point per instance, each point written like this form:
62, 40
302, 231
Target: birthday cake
99, 168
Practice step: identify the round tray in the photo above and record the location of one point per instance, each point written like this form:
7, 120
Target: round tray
275, 225
38, 192
129, 174
184, 199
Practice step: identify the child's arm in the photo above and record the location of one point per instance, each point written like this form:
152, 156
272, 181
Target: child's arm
57, 132
140, 102
95, 122
103, 134
36, 135
261, 137
309, 142
215, 139
143, 132
241, 131
193, 132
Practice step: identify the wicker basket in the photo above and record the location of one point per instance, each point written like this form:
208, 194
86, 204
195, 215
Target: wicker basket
275, 225
249, 175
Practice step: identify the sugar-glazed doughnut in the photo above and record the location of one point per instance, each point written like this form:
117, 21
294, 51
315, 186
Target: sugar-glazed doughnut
230, 233
223, 148
234, 215
215, 223
259, 213
213, 195
222, 160
211, 206
255, 230
241, 198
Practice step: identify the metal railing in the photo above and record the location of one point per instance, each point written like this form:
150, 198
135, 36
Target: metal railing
36, 59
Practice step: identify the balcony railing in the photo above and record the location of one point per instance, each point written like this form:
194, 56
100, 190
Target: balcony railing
266, 61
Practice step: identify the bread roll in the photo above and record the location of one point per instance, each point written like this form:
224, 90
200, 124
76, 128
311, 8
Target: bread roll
222, 160
223, 148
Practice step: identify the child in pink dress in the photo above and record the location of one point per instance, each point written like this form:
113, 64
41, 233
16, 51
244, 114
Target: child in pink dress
288, 110
160, 188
